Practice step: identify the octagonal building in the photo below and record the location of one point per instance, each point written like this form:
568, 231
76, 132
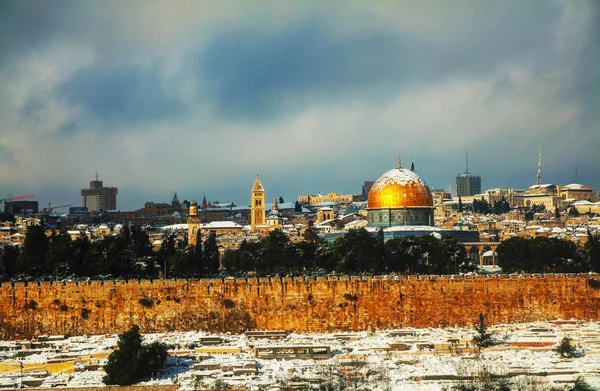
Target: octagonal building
400, 198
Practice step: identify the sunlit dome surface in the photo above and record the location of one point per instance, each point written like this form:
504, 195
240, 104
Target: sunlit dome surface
399, 188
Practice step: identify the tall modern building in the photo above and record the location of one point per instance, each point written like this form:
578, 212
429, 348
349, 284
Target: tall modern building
468, 184
98, 197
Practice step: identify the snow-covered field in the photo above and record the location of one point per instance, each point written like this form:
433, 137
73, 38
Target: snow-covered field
407, 359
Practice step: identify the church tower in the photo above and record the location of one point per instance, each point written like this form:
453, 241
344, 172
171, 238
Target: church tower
257, 206
193, 224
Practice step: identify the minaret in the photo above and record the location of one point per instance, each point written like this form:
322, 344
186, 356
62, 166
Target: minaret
539, 173
257, 206
193, 224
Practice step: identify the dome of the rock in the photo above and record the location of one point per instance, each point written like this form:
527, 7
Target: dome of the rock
400, 197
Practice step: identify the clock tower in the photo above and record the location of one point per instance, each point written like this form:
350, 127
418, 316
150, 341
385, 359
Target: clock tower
257, 206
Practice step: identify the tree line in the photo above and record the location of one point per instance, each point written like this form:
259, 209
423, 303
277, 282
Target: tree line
357, 252
549, 255
129, 254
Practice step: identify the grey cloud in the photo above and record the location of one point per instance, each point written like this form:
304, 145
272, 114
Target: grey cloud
7, 156
124, 95
255, 75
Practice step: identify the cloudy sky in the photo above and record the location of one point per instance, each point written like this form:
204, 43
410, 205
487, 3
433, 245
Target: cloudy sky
200, 96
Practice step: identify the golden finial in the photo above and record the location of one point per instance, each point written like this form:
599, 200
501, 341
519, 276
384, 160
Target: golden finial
399, 161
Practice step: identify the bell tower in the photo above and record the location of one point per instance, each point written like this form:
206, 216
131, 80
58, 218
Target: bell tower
257, 206
193, 222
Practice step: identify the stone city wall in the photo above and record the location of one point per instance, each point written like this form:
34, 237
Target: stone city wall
295, 304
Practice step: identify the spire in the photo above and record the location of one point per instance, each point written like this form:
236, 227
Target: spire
467, 161
412, 166
204, 203
257, 185
539, 172
399, 161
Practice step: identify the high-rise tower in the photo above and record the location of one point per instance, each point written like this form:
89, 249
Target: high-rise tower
257, 205
193, 224
98, 197
468, 184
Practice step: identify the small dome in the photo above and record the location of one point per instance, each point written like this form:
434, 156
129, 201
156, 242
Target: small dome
399, 188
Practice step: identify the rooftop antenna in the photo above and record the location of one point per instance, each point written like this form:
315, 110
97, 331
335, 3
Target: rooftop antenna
399, 161
576, 173
539, 172
466, 172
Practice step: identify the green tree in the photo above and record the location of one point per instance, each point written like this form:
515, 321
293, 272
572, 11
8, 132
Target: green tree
513, 255
211, 254
482, 337
133, 360
582, 385
10, 257
311, 235
460, 204
32, 260
565, 348
59, 256
592, 251
166, 252
573, 212
277, 254
354, 251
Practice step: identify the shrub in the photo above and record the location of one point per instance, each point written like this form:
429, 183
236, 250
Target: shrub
565, 348
228, 303
146, 302
133, 361
64, 308
85, 313
350, 297
581, 385
31, 305
482, 338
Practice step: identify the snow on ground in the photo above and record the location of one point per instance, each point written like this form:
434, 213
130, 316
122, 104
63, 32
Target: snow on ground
407, 359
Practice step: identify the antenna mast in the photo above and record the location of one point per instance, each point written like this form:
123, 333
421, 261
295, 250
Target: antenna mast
467, 159
539, 172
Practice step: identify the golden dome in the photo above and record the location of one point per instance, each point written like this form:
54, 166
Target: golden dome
399, 188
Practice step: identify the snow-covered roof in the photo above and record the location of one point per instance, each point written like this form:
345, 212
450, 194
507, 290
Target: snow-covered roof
400, 176
582, 202
220, 224
174, 227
